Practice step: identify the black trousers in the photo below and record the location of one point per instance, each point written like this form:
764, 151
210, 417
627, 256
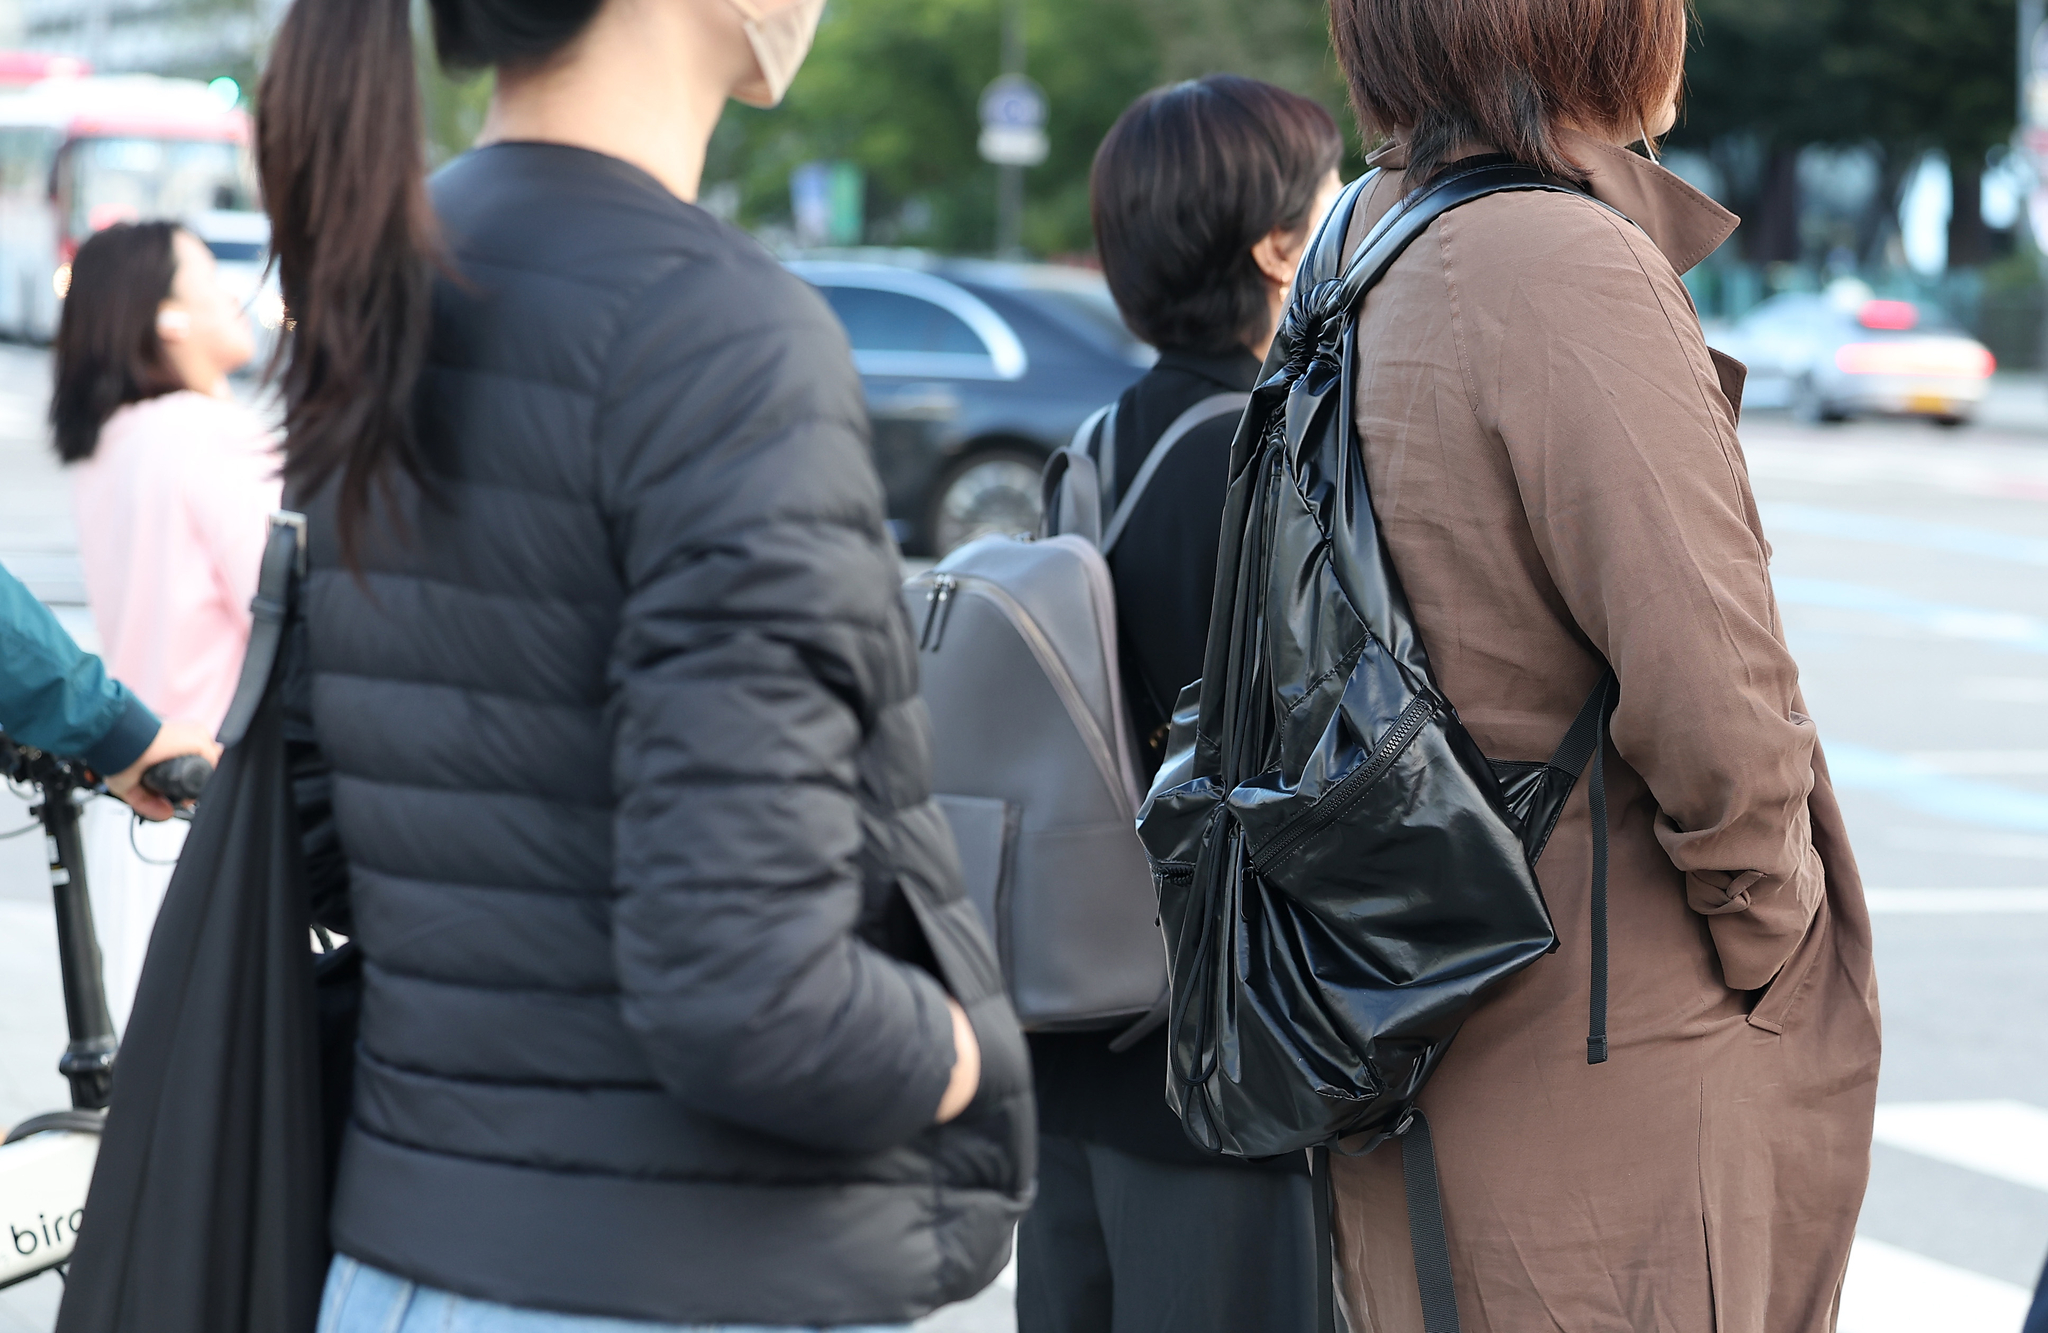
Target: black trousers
1121, 1244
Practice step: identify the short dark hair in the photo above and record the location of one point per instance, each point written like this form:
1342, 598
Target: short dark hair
108, 353
1185, 184
1505, 73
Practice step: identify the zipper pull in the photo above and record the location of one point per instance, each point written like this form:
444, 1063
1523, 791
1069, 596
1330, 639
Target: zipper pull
937, 605
952, 585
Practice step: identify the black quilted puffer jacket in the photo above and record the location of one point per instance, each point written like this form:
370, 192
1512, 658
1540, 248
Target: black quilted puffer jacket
631, 776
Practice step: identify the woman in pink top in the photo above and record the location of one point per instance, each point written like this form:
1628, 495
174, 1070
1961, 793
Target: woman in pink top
172, 485
173, 479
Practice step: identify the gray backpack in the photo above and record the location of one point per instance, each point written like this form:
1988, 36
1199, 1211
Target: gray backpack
1032, 748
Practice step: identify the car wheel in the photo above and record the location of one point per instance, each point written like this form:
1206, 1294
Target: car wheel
992, 491
1952, 422
1811, 408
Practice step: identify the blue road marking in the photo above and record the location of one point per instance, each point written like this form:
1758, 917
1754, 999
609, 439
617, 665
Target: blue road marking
1947, 537
1918, 787
2008, 629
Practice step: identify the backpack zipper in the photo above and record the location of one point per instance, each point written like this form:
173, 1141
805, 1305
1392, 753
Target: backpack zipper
1340, 798
938, 610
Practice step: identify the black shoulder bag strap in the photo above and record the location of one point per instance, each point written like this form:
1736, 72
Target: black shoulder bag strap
284, 564
1585, 743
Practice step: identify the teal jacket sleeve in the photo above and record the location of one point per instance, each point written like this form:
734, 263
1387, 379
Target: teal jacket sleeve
56, 696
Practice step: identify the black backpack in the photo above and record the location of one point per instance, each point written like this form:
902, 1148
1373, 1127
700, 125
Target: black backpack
1342, 874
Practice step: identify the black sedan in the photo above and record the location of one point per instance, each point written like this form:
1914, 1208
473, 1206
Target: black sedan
975, 372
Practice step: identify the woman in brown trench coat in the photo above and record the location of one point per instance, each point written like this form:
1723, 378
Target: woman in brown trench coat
1553, 459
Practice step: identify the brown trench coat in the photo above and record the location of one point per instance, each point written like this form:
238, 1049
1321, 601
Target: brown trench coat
1553, 459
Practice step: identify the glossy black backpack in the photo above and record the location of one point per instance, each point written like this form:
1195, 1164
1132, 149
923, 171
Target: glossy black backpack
1342, 874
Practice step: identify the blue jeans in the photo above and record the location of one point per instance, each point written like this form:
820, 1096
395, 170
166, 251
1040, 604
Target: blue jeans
362, 1299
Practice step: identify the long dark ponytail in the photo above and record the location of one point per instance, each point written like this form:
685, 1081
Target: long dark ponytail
340, 149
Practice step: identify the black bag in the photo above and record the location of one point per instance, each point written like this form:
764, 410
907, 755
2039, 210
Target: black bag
1342, 874
208, 1206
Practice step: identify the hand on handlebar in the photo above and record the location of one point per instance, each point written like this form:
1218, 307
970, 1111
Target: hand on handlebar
173, 740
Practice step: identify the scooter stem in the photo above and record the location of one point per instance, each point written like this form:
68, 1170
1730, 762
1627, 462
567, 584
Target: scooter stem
89, 1060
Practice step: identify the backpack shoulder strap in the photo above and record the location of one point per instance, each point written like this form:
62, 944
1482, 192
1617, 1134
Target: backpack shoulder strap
1074, 489
1335, 298
1084, 438
1104, 454
1070, 497
1202, 413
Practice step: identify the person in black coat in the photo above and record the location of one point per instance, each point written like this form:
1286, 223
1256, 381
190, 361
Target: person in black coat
1204, 194
674, 1010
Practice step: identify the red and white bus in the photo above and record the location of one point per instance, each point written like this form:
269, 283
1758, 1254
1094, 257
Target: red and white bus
81, 153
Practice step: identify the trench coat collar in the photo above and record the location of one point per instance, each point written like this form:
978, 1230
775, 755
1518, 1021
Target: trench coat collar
1682, 222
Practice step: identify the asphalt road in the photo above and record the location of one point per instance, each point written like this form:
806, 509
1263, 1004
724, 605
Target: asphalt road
1910, 565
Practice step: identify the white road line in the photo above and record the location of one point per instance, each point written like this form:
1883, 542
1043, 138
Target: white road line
2005, 1139
1973, 801
1984, 624
2006, 689
1891, 1290
1952, 843
1956, 902
1985, 763
1948, 538
1983, 472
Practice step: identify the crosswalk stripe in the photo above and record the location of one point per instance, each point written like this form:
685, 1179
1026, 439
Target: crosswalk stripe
1991, 805
1985, 763
1891, 1290
1948, 620
1984, 471
1889, 529
1956, 902
2006, 1139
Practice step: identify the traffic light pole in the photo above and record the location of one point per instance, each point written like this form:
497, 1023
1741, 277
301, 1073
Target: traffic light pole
2032, 13
1010, 179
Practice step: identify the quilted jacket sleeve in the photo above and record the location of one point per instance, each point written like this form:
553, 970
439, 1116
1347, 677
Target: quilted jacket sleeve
759, 640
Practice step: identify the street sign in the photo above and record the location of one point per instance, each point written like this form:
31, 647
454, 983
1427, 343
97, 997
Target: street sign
1013, 112
2034, 108
827, 200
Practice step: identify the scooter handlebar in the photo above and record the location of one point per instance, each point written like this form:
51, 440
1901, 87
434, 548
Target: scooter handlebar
178, 779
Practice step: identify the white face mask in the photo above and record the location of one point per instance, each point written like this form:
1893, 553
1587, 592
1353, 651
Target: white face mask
780, 40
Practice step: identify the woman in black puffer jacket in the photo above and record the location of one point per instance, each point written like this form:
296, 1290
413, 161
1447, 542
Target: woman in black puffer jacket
674, 1011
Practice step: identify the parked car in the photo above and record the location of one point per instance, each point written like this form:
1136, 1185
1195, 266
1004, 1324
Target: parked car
975, 373
1845, 354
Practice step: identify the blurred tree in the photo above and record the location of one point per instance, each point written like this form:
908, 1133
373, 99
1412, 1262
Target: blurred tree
1281, 41
1767, 77
1939, 74
453, 106
894, 85
1763, 81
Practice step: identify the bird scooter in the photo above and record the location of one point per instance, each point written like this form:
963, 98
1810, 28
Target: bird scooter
46, 1161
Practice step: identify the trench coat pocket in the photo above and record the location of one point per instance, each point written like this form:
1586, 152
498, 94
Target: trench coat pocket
1774, 1007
